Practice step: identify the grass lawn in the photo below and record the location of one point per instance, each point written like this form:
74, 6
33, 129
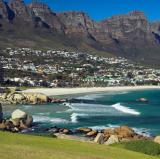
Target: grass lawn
16, 146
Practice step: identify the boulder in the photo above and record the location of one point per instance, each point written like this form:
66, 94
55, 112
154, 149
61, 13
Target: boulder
142, 100
18, 114
92, 133
84, 130
23, 125
16, 122
18, 98
36, 98
157, 139
1, 113
53, 130
65, 131
99, 138
108, 131
124, 132
28, 121
9, 125
2, 125
21, 119
112, 139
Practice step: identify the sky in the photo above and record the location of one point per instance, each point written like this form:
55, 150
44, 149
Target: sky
101, 9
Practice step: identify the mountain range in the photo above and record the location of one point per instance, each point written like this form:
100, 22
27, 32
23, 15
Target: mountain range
35, 25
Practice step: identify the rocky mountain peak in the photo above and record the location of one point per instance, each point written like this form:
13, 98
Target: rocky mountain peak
19, 8
117, 34
138, 14
40, 9
3, 10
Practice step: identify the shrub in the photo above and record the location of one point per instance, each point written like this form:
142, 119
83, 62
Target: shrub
146, 147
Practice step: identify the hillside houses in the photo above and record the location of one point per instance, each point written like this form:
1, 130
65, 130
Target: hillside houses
56, 68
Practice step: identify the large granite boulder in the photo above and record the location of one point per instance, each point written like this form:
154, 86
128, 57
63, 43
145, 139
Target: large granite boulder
124, 132
92, 133
19, 114
21, 119
108, 131
84, 130
16, 98
100, 139
157, 139
36, 98
112, 139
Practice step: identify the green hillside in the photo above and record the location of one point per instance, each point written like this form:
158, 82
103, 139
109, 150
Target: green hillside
15, 146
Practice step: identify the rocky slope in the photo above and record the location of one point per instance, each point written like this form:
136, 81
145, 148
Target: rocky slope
130, 35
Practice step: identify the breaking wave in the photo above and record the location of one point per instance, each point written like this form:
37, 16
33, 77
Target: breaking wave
124, 109
74, 117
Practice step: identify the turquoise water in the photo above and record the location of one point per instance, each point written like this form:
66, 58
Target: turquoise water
100, 111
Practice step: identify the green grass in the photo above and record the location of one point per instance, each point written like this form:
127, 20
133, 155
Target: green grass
16, 146
146, 147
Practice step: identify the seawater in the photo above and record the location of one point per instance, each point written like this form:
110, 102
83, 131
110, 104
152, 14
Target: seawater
99, 111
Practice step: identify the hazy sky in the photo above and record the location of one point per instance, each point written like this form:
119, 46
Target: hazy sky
101, 9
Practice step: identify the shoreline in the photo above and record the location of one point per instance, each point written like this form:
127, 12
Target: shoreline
83, 90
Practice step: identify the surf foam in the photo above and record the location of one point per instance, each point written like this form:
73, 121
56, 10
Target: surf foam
74, 117
124, 109
39, 118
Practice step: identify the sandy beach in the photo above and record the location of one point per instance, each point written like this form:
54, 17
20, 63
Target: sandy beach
67, 91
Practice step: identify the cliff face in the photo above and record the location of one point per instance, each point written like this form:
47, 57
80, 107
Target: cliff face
1, 73
126, 27
76, 23
19, 9
129, 35
3, 10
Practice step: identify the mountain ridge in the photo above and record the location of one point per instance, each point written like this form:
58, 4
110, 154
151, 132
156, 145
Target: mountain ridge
129, 35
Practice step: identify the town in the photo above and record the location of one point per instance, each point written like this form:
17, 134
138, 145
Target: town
56, 68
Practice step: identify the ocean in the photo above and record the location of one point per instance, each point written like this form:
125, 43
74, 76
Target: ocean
99, 111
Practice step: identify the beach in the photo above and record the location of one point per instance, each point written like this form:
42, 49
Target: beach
68, 91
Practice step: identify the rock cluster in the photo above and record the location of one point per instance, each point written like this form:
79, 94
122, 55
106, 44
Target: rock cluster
111, 135
18, 122
1, 113
24, 98
57, 130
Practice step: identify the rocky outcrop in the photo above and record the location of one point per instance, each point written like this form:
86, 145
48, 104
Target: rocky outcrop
77, 23
127, 27
43, 16
157, 139
18, 114
19, 9
110, 136
24, 98
1, 113
3, 10
100, 139
57, 130
83, 130
92, 133
19, 121
112, 139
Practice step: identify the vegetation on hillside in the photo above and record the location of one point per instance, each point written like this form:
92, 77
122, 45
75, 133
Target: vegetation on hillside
146, 147
16, 146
